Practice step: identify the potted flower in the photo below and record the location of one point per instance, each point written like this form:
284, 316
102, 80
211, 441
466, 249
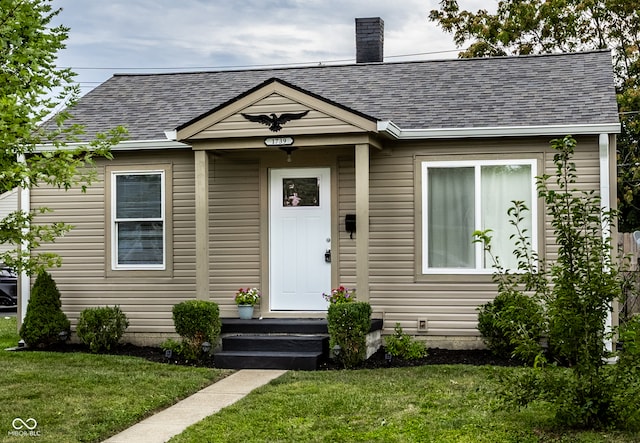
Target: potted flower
340, 295
246, 299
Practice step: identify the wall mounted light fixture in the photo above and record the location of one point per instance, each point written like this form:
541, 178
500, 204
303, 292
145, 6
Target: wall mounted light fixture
288, 150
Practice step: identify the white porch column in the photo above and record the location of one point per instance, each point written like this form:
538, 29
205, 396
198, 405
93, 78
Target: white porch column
362, 222
202, 224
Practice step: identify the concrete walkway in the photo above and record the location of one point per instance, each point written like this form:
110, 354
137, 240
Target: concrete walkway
160, 427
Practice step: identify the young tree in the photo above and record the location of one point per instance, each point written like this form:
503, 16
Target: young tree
574, 294
523, 27
32, 90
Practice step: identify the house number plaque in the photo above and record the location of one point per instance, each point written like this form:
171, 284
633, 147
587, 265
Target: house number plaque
278, 141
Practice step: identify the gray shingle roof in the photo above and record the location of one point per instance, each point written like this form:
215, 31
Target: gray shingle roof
561, 89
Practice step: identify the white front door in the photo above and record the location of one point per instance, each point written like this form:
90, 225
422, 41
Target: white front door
299, 238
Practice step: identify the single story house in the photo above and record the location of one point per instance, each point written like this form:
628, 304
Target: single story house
296, 180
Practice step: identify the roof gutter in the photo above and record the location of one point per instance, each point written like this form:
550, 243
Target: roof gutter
127, 145
391, 130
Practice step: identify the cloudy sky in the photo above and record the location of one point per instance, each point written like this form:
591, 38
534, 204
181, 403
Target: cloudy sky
118, 36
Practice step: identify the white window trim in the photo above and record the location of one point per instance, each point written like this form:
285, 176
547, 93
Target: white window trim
114, 228
479, 251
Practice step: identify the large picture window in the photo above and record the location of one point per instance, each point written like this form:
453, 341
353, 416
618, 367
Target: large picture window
138, 229
463, 196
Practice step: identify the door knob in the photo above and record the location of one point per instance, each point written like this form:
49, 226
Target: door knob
327, 256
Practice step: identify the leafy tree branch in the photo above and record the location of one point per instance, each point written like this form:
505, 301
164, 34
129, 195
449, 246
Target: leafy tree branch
39, 146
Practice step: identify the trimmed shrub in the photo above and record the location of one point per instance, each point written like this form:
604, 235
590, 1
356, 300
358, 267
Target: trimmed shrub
44, 320
401, 345
196, 321
348, 325
101, 328
512, 325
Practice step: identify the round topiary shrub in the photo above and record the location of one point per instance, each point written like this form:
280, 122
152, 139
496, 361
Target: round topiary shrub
101, 328
44, 320
196, 321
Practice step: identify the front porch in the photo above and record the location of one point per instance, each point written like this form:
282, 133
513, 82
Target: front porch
240, 216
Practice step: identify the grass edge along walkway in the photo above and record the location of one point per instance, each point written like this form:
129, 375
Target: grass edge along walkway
77, 397
172, 421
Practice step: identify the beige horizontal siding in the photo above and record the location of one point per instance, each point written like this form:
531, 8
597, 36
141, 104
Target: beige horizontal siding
234, 235
448, 303
146, 298
397, 293
315, 122
587, 164
346, 205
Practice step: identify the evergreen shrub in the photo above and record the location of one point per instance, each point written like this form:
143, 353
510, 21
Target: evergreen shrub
44, 320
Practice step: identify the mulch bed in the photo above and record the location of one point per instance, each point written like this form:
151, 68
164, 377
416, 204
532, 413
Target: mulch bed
435, 357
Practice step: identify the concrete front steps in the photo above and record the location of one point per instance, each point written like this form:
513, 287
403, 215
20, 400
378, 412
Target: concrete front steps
275, 343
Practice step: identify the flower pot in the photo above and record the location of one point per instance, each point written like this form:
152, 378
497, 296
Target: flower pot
245, 311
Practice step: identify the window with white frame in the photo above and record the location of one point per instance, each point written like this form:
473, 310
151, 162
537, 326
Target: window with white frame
459, 197
138, 214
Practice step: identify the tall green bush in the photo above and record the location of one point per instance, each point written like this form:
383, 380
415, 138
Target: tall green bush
196, 321
585, 279
348, 324
101, 328
44, 320
576, 292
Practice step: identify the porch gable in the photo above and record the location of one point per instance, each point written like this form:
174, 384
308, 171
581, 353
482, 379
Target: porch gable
276, 97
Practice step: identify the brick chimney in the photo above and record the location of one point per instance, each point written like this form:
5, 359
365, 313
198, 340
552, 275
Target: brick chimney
369, 40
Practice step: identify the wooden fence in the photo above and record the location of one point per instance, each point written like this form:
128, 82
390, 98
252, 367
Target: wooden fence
628, 247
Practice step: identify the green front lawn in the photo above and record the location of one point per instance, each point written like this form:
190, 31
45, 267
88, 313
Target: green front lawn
78, 397
445, 404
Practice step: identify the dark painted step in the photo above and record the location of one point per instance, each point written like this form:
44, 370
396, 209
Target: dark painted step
267, 360
282, 325
275, 326
279, 343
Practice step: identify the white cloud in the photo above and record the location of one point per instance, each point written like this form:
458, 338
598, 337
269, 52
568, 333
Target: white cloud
119, 34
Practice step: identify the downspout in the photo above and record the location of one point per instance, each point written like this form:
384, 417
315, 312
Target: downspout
605, 205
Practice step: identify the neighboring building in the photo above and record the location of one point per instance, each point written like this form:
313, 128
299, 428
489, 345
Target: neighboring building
8, 204
205, 197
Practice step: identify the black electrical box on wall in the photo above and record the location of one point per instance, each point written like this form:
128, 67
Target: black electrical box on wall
350, 224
